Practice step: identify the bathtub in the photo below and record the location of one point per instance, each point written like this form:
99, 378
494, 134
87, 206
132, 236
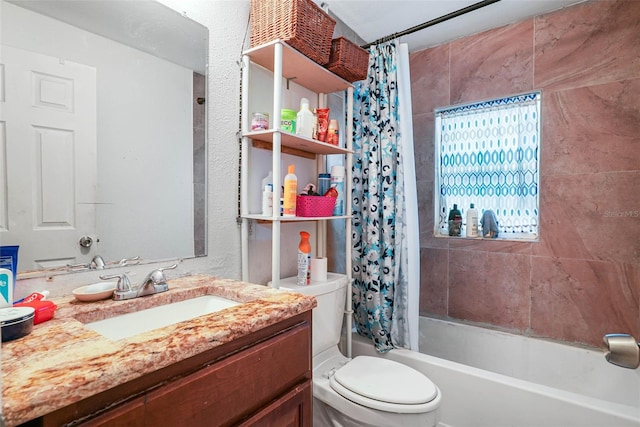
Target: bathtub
491, 378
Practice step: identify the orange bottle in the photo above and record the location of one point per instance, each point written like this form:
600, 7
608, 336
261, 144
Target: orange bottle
290, 192
304, 260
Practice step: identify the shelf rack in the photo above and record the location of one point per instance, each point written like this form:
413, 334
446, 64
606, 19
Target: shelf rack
288, 64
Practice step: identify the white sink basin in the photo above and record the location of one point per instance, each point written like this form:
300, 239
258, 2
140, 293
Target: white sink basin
130, 324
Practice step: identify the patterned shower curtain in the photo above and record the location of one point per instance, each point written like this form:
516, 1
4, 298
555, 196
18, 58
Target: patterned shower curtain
379, 250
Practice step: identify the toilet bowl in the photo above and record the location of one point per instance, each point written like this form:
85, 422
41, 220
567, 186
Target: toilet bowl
370, 391
363, 391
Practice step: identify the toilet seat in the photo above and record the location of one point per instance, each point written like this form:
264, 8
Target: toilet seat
384, 385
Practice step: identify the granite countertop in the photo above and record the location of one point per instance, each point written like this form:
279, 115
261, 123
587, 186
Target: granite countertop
61, 362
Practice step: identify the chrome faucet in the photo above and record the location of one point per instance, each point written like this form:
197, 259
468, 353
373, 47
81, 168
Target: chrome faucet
154, 283
97, 263
123, 286
622, 350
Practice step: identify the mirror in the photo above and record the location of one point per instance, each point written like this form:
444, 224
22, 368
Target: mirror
102, 132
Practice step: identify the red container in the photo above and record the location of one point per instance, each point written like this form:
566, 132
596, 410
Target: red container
314, 206
44, 309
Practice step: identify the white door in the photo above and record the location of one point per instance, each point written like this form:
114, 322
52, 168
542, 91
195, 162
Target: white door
48, 157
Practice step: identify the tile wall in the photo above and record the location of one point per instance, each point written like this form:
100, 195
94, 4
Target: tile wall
582, 279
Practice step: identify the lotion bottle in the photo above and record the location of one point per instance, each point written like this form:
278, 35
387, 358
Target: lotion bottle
472, 222
290, 192
267, 201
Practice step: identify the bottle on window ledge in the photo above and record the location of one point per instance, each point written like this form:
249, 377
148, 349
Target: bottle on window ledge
455, 221
472, 222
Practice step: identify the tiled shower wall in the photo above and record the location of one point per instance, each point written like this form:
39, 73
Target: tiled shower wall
582, 279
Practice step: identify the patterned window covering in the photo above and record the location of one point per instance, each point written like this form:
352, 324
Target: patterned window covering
487, 154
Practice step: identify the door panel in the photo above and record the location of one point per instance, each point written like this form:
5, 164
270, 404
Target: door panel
49, 113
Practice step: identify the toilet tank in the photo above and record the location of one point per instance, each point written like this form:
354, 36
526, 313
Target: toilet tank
328, 315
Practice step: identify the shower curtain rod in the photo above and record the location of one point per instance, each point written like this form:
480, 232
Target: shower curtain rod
433, 22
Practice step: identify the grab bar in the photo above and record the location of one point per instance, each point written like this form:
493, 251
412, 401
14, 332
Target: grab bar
622, 350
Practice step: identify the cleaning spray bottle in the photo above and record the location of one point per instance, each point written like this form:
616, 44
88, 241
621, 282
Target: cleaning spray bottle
290, 192
304, 260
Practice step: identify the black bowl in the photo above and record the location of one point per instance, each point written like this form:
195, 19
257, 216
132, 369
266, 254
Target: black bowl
16, 322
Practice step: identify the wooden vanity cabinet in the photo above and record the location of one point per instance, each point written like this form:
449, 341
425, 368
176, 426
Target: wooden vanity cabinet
262, 379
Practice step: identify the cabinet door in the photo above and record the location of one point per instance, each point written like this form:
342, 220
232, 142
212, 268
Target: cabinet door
130, 414
291, 410
240, 385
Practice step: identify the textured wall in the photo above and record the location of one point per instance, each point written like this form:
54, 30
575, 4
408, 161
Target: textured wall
582, 279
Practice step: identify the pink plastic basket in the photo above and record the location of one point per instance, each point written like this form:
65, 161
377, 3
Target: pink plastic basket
314, 206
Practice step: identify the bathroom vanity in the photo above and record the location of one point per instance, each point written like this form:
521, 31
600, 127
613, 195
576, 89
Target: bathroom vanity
245, 365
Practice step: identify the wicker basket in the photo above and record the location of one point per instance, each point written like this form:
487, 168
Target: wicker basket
299, 23
315, 206
348, 60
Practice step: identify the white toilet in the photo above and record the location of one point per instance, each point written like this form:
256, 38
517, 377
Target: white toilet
363, 391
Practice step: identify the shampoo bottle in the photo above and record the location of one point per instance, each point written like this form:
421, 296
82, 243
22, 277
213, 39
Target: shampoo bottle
305, 119
6, 287
290, 192
304, 260
455, 221
472, 222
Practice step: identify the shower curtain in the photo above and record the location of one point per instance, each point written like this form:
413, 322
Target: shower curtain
385, 245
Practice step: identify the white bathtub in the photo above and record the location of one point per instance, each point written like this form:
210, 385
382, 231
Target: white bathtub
491, 378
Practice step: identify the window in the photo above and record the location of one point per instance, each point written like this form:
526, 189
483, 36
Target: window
487, 154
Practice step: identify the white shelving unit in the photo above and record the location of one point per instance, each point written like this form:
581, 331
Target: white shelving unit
287, 64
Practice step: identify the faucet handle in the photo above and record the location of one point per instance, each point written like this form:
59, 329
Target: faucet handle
124, 284
157, 276
171, 267
77, 267
129, 261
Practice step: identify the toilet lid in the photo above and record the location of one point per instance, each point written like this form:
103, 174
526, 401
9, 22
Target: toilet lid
384, 384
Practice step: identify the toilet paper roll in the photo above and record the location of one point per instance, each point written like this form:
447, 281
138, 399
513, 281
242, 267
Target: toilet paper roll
318, 269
